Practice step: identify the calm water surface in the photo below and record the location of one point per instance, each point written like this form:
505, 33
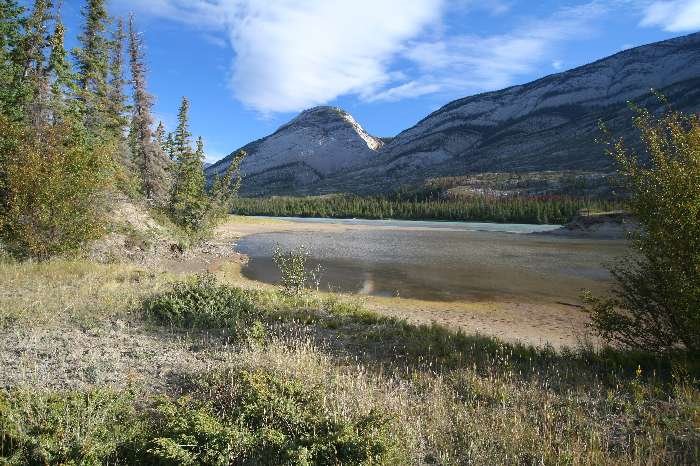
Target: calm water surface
443, 261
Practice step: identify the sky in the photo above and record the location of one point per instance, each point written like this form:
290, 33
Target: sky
249, 66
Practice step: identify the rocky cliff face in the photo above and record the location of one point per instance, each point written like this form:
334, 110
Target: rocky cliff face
314, 146
549, 124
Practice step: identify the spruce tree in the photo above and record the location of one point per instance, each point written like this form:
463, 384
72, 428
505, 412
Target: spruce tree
35, 84
11, 22
62, 89
148, 155
117, 107
92, 61
188, 204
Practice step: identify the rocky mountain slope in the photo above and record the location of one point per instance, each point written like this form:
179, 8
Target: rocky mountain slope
317, 144
549, 124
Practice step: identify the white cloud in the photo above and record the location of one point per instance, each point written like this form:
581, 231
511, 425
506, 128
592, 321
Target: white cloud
460, 64
293, 54
673, 15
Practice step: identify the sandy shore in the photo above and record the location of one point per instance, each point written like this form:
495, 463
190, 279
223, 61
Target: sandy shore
529, 322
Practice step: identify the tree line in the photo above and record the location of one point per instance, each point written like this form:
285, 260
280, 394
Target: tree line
502, 209
74, 130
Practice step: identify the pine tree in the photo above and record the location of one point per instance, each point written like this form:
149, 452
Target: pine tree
11, 22
116, 99
62, 89
188, 204
148, 155
93, 64
35, 74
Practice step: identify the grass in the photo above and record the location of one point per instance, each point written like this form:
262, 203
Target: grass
313, 376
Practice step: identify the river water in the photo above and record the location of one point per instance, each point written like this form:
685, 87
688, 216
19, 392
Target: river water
443, 261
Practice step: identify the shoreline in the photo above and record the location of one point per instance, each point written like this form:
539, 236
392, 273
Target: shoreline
527, 321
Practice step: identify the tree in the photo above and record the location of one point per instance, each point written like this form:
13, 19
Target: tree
34, 84
117, 121
225, 188
51, 184
148, 155
11, 23
92, 61
656, 303
62, 88
188, 202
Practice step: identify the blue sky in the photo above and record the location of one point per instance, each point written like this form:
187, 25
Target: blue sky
248, 66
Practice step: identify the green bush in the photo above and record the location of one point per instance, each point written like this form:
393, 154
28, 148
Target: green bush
656, 303
235, 417
51, 188
202, 303
258, 418
67, 428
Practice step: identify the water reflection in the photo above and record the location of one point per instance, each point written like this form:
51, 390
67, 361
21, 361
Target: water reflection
444, 265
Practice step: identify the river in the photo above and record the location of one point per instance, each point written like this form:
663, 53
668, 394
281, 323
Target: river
443, 261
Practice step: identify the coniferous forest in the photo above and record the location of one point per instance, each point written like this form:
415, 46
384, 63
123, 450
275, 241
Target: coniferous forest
501, 209
77, 129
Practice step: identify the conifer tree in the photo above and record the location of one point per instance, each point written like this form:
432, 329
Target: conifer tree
92, 61
62, 89
188, 204
35, 77
148, 155
116, 98
11, 20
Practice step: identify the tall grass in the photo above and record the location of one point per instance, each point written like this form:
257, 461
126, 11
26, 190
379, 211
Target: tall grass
329, 374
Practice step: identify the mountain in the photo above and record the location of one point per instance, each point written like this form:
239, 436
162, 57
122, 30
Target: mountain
315, 145
549, 124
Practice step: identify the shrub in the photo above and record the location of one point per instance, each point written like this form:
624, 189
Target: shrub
67, 428
264, 419
51, 181
656, 305
202, 303
293, 266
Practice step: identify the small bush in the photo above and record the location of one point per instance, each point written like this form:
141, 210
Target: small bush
294, 268
262, 419
202, 303
67, 428
235, 417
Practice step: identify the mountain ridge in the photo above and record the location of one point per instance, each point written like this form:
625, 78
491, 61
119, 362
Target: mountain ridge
548, 124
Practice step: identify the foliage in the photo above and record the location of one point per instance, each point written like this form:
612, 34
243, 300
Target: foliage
192, 206
515, 209
188, 201
256, 417
202, 303
294, 269
656, 304
66, 428
225, 189
51, 182
148, 154
235, 417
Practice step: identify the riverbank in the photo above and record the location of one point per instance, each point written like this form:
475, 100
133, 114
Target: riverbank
525, 319
200, 370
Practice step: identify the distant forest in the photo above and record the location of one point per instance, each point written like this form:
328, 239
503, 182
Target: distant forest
501, 209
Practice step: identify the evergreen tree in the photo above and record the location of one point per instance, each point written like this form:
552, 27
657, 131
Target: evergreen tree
148, 155
11, 24
62, 78
92, 61
188, 204
116, 99
35, 74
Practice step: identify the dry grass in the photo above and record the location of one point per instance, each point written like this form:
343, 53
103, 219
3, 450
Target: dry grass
45, 293
449, 398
